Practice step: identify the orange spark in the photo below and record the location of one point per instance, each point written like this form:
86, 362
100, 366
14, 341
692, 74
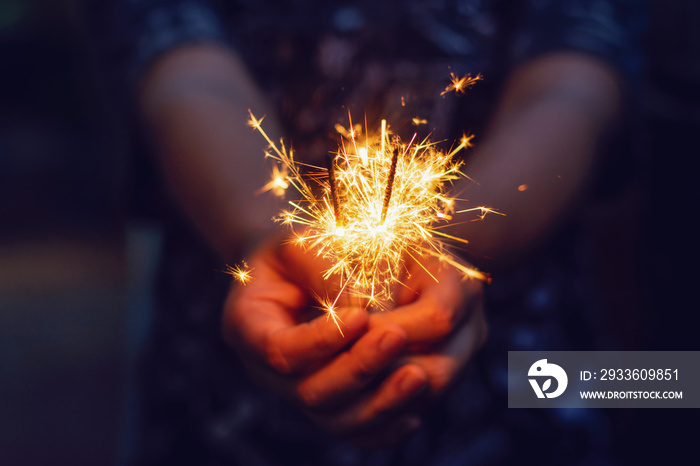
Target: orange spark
278, 184
240, 272
460, 85
384, 202
392, 202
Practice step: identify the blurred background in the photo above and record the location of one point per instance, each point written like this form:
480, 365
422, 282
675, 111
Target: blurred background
62, 248
65, 267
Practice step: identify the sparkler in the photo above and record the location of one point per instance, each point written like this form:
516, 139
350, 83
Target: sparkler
379, 202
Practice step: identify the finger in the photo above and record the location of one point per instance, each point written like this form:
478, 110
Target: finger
350, 372
439, 309
268, 300
443, 364
279, 291
261, 319
305, 268
382, 406
297, 348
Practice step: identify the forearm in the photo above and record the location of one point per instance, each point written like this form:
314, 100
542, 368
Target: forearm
539, 153
195, 103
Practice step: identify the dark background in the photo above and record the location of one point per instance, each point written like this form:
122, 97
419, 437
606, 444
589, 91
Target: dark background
65, 271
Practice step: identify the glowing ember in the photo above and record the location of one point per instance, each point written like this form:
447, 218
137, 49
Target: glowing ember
240, 272
278, 184
460, 85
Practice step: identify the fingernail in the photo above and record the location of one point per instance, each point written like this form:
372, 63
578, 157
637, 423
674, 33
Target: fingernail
390, 342
410, 383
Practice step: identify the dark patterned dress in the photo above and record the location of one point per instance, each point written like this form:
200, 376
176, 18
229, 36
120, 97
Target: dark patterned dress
380, 59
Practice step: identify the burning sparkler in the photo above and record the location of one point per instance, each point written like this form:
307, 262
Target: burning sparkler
380, 202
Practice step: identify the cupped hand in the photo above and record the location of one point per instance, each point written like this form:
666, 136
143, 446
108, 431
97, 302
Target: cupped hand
443, 316
347, 383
